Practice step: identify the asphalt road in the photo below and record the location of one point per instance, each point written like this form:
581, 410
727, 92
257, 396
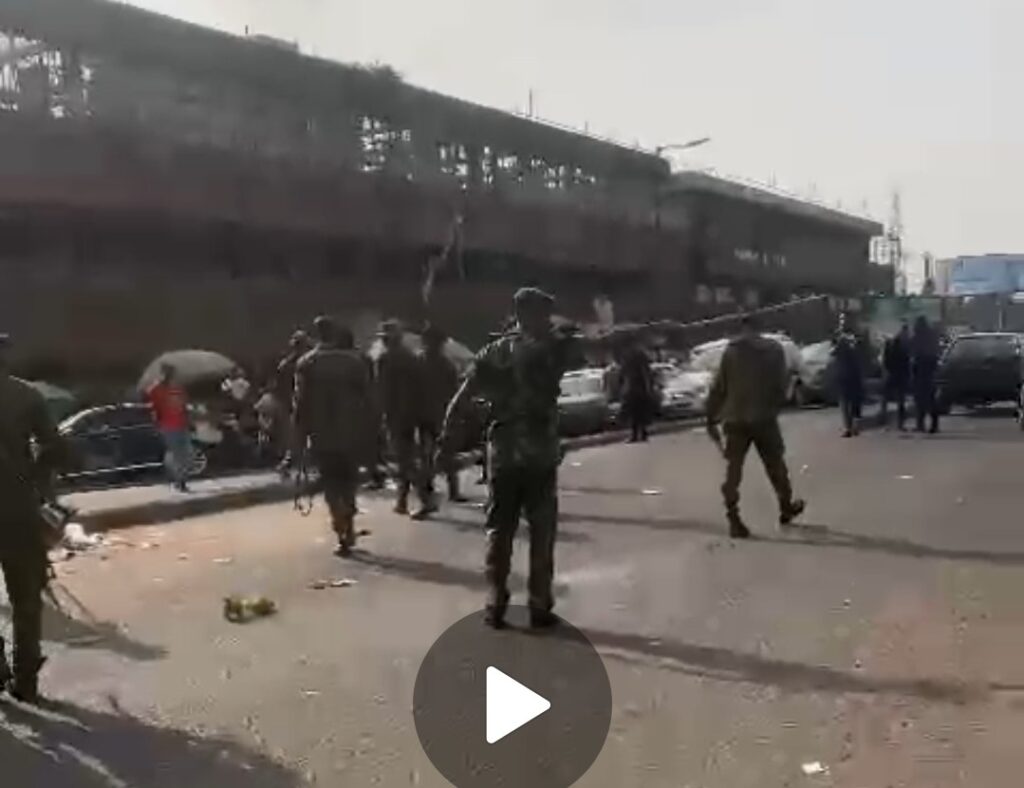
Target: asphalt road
883, 640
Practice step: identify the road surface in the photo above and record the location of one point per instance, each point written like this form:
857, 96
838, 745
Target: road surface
879, 645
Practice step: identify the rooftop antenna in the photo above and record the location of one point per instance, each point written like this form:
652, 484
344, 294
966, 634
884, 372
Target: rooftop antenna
894, 238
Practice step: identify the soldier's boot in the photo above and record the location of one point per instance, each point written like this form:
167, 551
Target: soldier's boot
737, 528
543, 619
494, 612
345, 529
788, 512
402, 504
24, 687
428, 506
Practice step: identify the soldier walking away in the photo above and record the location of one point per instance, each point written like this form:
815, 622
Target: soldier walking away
399, 378
638, 391
519, 376
440, 382
169, 404
332, 413
925, 365
748, 392
896, 364
24, 481
850, 377
298, 345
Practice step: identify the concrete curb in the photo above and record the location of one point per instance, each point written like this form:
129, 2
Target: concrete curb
167, 511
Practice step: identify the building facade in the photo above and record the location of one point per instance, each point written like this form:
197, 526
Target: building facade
987, 274
164, 185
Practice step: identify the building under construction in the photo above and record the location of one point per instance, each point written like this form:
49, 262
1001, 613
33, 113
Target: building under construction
164, 185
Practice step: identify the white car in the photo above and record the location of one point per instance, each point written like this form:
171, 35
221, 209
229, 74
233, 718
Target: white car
685, 394
707, 357
584, 402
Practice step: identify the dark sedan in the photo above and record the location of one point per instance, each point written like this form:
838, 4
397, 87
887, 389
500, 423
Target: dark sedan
117, 443
981, 369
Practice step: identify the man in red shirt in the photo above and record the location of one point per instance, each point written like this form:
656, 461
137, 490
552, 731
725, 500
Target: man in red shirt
170, 411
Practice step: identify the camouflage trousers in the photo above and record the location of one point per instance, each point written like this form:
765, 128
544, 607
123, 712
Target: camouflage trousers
24, 571
532, 492
339, 481
766, 437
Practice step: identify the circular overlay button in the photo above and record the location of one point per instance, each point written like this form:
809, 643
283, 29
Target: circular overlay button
513, 706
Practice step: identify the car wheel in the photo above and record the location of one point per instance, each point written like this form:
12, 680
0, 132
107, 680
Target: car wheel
199, 462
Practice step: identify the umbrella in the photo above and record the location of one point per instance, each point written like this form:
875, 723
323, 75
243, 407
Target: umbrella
60, 402
460, 355
193, 368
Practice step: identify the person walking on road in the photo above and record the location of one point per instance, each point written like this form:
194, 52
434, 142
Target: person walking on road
333, 411
896, 365
284, 382
399, 378
925, 365
746, 396
169, 405
30, 450
440, 382
519, 376
847, 354
638, 391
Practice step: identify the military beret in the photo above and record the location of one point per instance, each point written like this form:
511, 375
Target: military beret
533, 295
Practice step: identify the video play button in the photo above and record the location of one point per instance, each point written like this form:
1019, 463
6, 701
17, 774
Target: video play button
512, 707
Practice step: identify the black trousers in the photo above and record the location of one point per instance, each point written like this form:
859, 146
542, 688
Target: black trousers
896, 390
24, 571
926, 404
514, 492
766, 437
339, 480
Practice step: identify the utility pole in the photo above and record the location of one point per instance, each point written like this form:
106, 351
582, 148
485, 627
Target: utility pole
894, 239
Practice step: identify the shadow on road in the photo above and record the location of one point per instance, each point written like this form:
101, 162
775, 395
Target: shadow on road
477, 526
720, 664
823, 536
652, 523
87, 632
65, 746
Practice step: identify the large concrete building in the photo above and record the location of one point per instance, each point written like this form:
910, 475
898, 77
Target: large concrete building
166, 185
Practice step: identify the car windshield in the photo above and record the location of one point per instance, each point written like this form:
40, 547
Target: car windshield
581, 385
707, 358
983, 347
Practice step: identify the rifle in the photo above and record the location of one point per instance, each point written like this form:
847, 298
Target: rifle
304, 490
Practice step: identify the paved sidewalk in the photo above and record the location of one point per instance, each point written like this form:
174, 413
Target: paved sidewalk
123, 507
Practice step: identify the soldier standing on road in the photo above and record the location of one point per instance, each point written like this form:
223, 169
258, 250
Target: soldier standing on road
925, 367
638, 391
332, 414
440, 382
896, 363
298, 346
519, 376
399, 380
23, 482
748, 392
848, 355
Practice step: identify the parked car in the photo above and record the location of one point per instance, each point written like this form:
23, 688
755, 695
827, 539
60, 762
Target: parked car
707, 357
584, 402
685, 394
118, 443
981, 369
821, 384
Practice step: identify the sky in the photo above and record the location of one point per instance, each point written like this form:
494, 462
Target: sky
846, 100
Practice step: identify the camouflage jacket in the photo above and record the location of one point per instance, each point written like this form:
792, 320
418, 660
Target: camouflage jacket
519, 377
333, 405
751, 382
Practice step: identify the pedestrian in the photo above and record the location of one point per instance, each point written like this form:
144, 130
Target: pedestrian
519, 376
896, 365
440, 382
332, 413
30, 450
399, 380
746, 397
848, 358
169, 405
237, 388
270, 421
924, 366
638, 391
377, 466
298, 345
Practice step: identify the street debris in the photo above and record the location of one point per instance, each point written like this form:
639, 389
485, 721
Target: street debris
651, 491
223, 561
345, 582
804, 469
75, 538
310, 694
813, 768
239, 610
905, 478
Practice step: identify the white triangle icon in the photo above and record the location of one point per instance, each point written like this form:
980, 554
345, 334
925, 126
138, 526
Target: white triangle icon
510, 705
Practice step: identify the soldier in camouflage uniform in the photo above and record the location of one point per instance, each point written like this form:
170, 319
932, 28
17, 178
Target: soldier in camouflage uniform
24, 483
440, 382
519, 376
746, 396
333, 411
399, 380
